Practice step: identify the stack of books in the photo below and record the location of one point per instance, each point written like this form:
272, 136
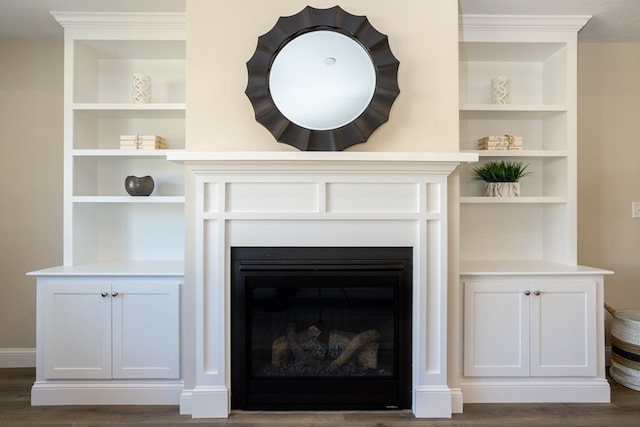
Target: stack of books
142, 142
504, 142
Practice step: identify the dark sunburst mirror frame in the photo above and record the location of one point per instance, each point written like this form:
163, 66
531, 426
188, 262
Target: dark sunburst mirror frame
334, 19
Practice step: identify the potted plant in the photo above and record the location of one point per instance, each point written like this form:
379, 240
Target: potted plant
501, 177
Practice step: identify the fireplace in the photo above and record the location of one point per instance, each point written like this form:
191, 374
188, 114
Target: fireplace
316, 200
321, 328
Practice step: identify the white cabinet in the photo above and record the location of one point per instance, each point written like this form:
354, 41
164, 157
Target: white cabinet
533, 336
101, 329
102, 223
520, 328
109, 334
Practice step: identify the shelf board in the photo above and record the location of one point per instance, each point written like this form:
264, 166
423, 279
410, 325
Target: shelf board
129, 199
85, 152
127, 106
509, 267
530, 154
512, 111
130, 111
513, 200
117, 268
513, 107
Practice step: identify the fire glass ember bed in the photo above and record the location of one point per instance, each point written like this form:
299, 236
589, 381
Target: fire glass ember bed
321, 328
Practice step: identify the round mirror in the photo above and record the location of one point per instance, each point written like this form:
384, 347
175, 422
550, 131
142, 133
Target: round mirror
322, 79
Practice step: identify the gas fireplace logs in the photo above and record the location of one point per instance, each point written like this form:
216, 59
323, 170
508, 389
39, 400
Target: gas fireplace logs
281, 349
364, 346
304, 349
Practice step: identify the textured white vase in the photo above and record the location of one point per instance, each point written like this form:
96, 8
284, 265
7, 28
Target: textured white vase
502, 189
501, 90
141, 89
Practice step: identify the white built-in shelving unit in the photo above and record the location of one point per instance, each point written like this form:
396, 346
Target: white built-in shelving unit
533, 318
108, 319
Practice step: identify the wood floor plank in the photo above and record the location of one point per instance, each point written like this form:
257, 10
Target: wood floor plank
16, 410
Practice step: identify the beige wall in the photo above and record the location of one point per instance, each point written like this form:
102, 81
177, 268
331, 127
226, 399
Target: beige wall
30, 178
609, 166
31, 137
222, 36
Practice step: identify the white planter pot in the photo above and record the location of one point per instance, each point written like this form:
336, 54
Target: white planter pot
502, 189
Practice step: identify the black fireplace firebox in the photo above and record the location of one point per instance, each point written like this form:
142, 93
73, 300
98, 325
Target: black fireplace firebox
321, 328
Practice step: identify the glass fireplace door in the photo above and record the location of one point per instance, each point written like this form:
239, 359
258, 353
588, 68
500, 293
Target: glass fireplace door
327, 334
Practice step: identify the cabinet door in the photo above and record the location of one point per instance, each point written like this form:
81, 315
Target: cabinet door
146, 330
563, 328
496, 329
77, 330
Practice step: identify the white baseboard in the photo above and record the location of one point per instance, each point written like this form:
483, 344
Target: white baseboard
456, 401
564, 391
432, 402
206, 402
17, 357
106, 393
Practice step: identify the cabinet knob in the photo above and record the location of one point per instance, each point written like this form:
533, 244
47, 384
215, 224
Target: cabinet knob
527, 293
536, 292
104, 294
114, 294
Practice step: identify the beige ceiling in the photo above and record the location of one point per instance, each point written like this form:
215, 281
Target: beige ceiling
613, 20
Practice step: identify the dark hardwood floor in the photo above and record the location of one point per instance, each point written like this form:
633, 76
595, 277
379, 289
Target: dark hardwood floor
16, 410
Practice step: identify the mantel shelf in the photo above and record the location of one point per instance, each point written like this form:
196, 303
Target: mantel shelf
304, 161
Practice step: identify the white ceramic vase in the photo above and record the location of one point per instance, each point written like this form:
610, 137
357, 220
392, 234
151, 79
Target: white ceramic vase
141, 89
502, 189
501, 90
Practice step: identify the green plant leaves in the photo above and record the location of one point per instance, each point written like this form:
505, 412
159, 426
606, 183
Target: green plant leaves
500, 171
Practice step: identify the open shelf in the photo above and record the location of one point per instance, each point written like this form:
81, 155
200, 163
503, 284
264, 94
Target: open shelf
539, 226
102, 223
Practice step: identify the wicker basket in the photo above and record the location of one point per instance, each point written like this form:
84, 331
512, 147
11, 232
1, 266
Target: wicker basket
625, 347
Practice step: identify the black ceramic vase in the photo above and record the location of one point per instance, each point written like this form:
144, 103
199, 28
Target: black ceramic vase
139, 186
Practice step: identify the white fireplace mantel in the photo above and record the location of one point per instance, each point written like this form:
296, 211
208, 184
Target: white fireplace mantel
313, 199
401, 161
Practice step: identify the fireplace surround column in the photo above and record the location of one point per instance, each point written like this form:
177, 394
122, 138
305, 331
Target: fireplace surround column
301, 199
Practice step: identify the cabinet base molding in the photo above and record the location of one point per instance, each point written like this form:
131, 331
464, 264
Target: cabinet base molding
206, 402
98, 393
588, 391
456, 401
432, 402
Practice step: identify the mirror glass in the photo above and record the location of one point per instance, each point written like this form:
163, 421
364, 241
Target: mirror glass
322, 80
